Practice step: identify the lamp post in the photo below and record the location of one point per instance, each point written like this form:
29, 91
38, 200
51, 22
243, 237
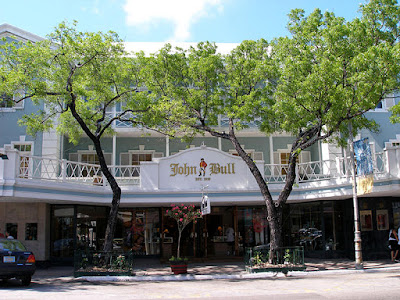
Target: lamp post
357, 233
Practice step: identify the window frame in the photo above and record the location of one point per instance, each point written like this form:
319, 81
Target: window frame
25, 167
16, 106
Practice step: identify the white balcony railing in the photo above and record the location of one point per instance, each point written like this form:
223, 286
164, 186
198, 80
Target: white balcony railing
379, 164
32, 167
320, 170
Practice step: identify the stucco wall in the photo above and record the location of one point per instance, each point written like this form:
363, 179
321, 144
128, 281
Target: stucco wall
22, 213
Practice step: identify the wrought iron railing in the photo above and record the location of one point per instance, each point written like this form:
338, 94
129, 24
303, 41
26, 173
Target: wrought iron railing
262, 259
101, 263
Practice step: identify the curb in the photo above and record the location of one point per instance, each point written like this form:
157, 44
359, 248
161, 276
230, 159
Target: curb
241, 276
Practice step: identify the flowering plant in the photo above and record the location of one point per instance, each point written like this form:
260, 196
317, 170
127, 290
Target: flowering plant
183, 215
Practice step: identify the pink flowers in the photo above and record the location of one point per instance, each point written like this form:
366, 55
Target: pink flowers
183, 213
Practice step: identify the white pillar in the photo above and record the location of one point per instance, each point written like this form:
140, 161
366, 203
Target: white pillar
271, 150
114, 150
166, 145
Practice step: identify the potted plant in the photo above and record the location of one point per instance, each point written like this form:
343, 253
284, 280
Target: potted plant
183, 215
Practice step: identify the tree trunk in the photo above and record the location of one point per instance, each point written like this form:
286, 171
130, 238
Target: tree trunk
273, 209
116, 199
178, 252
116, 190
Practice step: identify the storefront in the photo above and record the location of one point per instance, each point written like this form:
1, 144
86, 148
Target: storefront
148, 232
324, 228
237, 219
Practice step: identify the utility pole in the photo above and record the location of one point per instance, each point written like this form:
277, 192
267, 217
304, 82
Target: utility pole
357, 233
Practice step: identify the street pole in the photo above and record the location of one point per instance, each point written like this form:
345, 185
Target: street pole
357, 233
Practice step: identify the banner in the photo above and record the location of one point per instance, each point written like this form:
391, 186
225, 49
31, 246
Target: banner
205, 205
365, 168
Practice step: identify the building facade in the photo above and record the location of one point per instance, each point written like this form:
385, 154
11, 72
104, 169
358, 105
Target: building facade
54, 198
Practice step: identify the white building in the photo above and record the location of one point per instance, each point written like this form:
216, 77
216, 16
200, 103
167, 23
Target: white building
53, 199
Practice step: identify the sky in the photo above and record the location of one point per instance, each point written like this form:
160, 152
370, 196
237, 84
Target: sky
221, 21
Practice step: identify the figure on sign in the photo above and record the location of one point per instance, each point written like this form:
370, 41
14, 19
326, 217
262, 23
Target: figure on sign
203, 166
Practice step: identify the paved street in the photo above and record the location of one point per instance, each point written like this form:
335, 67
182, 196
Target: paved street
345, 284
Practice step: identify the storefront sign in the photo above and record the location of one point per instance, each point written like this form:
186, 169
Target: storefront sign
213, 169
194, 167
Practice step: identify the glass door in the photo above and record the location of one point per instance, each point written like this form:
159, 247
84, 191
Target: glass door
62, 234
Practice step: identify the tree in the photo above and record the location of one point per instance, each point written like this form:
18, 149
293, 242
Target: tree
78, 76
183, 216
312, 84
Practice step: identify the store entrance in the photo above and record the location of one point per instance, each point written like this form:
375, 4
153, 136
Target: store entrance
218, 234
62, 234
222, 234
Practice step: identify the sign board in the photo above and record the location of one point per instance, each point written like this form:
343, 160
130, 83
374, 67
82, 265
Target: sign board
196, 167
205, 205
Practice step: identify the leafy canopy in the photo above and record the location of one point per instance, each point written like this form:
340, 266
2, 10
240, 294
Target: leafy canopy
89, 72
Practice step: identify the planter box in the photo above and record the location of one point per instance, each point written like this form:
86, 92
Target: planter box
283, 259
276, 269
99, 263
101, 273
178, 267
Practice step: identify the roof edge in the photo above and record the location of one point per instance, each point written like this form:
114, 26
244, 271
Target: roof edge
7, 30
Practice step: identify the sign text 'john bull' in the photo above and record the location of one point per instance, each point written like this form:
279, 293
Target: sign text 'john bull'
202, 169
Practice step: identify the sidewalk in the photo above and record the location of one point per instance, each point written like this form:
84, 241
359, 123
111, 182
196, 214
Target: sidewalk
153, 270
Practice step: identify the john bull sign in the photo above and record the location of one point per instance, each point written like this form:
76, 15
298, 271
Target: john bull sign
203, 169
193, 168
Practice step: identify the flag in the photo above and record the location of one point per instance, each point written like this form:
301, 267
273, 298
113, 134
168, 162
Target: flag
365, 169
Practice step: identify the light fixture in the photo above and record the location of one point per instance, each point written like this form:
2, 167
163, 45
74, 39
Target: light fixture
3, 156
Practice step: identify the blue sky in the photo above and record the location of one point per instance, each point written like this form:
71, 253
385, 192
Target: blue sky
225, 21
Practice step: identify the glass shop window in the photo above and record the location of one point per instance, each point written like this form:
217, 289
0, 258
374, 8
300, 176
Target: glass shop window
12, 229
306, 226
31, 231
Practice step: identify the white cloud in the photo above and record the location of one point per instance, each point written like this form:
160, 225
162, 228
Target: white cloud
182, 13
94, 9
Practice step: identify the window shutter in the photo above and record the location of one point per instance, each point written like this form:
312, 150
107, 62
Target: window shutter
107, 157
124, 159
305, 156
276, 158
389, 103
73, 156
258, 156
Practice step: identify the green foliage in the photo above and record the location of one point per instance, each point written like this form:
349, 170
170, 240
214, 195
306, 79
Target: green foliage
86, 72
259, 258
177, 259
183, 214
197, 85
287, 257
328, 73
333, 71
78, 78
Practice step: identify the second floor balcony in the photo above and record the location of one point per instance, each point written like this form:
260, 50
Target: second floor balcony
147, 176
